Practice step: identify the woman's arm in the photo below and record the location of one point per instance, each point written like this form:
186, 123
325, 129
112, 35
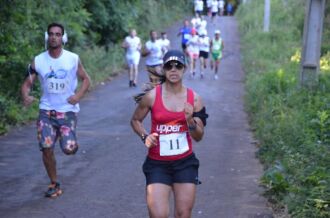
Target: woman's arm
195, 124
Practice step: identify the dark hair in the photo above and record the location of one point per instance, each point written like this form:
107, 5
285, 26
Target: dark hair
55, 25
163, 33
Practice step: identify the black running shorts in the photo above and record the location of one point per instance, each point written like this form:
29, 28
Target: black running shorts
203, 54
168, 172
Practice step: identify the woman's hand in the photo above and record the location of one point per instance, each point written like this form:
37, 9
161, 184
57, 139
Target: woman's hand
152, 140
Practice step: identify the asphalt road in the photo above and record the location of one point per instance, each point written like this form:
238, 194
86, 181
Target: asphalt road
105, 179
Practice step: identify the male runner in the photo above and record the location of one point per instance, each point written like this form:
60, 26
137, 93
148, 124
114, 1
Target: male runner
132, 45
153, 52
57, 70
217, 47
185, 32
204, 48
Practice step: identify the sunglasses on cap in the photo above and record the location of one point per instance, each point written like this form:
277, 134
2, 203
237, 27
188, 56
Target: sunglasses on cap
169, 65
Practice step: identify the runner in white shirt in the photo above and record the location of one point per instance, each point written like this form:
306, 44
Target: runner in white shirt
58, 71
202, 25
166, 44
154, 61
214, 9
198, 6
132, 45
221, 5
209, 5
193, 51
196, 22
204, 49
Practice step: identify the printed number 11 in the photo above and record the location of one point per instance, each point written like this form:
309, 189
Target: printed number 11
177, 144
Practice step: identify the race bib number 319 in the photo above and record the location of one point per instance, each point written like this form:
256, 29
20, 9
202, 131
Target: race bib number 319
173, 144
56, 86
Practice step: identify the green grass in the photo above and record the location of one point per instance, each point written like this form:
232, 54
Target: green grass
291, 123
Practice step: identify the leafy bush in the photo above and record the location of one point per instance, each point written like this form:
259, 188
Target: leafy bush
292, 124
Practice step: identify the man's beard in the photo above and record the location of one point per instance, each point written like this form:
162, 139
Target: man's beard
54, 46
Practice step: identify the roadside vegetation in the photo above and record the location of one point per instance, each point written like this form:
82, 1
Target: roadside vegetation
292, 124
95, 29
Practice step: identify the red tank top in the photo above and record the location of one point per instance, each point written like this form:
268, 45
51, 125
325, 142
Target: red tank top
174, 140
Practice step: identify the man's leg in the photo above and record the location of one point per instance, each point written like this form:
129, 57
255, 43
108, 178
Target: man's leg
201, 66
49, 160
131, 75
217, 62
135, 74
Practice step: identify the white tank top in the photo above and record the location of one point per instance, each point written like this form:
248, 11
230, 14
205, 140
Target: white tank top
58, 79
134, 45
204, 44
193, 44
156, 55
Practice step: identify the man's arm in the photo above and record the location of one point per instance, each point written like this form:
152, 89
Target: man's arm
179, 33
211, 45
145, 51
26, 86
82, 74
124, 44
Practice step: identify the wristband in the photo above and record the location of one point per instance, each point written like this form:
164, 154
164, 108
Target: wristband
144, 137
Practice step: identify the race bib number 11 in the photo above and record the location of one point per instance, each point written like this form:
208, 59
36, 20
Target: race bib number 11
173, 144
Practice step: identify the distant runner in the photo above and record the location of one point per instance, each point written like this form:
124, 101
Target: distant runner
193, 51
204, 48
202, 25
198, 6
196, 22
166, 44
154, 55
185, 35
214, 9
216, 46
132, 45
209, 6
221, 7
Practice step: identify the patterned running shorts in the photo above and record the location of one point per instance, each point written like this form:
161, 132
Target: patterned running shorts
53, 125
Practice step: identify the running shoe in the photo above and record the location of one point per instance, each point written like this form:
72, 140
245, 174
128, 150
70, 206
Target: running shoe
54, 190
216, 77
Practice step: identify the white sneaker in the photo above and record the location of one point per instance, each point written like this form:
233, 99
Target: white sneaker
216, 77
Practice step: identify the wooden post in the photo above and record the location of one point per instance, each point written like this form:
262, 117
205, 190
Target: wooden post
311, 48
267, 16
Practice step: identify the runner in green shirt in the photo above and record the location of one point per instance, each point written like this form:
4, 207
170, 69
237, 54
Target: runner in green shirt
216, 47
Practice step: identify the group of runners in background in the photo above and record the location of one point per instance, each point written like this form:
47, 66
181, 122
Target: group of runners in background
213, 7
154, 50
195, 42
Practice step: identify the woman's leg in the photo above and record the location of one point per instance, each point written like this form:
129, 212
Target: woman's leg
158, 200
184, 197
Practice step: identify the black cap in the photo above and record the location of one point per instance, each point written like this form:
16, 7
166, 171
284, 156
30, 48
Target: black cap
174, 55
